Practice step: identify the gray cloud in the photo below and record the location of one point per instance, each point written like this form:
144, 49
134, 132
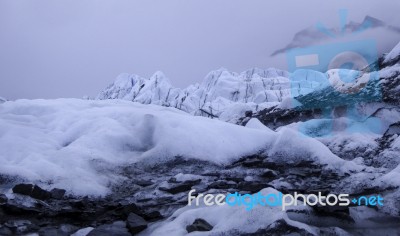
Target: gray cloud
51, 49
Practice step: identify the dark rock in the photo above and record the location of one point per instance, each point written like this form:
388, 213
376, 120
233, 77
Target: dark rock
4, 231
222, 185
31, 190
57, 193
39, 193
153, 215
135, 223
24, 189
340, 212
252, 187
16, 209
50, 231
180, 187
3, 198
116, 229
269, 174
199, 225
144, 183
280, 227
248, 113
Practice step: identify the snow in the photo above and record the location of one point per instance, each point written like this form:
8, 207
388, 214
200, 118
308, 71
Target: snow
393, 54
77, 144
256, 124
2, 100
83, 232
226, 220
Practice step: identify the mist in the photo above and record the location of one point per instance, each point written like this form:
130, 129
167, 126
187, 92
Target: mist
52, 49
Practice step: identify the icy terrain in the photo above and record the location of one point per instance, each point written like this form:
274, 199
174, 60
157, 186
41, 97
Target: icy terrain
123, 164
222, 93
77, 144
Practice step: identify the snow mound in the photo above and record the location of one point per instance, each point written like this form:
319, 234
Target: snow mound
78, 144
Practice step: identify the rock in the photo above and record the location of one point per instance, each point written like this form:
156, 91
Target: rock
115, 229
49, 231
248, 113
57, 193
199, 225
3, 198
39, 193
19, 210
144, 183
154, 215
4, 231
180, 187
31, 190
24, 189
269, 174
222, 185
135, 223
252, 187
280, 227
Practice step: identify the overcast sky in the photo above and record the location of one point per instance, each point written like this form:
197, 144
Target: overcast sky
60, 48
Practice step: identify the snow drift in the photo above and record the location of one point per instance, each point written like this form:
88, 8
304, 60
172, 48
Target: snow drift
77, 144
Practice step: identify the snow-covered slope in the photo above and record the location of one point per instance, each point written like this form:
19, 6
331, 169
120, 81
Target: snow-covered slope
2, 100
78, 144
393, 55
222, 93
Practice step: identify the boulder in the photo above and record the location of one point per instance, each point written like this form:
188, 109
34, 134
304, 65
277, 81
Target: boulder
3, 199
57, 193
199, 225
135, 223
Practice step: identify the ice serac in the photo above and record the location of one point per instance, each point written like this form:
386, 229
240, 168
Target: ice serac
221, 94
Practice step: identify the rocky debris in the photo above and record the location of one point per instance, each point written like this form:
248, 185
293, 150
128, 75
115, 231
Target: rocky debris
275, 117
199, 225
135, 223
21, 226
51, 232
115, 229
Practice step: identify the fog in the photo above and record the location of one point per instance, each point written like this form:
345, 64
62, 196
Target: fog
52, 49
